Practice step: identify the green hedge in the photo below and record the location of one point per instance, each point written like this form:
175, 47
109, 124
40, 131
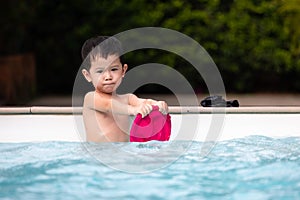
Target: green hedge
255, 43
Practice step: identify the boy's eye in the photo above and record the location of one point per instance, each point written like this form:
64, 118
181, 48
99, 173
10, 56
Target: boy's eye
100, 71
114, 69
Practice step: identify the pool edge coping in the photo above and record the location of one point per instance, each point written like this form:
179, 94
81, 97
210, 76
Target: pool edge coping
172, 110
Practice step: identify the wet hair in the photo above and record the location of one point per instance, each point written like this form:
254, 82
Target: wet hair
102, 46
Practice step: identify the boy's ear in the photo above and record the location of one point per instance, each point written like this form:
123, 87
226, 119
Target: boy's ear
125, 67
86, 75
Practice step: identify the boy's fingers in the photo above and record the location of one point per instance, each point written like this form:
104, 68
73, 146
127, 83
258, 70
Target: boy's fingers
163, 107
146, 109
162, 110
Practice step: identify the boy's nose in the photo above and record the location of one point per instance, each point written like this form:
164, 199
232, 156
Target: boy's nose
107, 76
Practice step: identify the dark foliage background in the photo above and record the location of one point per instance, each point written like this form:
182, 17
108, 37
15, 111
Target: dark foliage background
255, 43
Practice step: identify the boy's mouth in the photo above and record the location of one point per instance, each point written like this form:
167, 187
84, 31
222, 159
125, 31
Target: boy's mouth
108, 84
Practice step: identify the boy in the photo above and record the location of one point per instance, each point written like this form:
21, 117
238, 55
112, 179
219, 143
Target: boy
105, 113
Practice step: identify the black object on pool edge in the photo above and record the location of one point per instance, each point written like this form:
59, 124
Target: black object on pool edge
218, 101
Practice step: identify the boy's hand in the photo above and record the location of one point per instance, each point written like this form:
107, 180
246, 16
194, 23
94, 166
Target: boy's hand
163, 107
144, 109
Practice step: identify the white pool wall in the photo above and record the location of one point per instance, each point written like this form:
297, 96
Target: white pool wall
37, 124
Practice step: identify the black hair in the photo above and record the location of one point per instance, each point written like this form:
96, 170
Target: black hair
101, 45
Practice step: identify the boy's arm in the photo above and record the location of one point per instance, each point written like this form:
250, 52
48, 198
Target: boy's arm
115, 105
134, 100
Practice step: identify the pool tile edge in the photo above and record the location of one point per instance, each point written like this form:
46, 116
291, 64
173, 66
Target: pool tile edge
172, 110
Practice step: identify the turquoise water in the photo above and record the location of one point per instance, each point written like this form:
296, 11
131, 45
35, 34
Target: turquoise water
254, 167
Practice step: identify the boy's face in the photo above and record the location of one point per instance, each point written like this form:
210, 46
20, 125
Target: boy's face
105, 74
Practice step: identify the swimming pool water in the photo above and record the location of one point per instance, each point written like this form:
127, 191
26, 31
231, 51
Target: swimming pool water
254, 167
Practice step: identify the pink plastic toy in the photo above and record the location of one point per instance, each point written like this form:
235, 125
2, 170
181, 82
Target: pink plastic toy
154, 126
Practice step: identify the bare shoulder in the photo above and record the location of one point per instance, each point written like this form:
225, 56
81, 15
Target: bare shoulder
88, 99
99, 102
89, 95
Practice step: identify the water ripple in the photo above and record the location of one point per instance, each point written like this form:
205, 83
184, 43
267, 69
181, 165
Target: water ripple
254, 167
